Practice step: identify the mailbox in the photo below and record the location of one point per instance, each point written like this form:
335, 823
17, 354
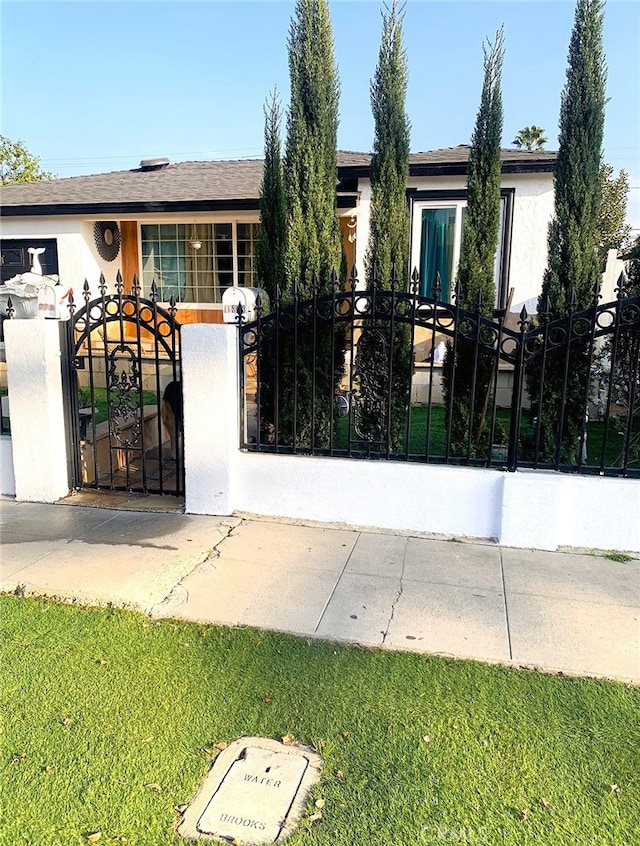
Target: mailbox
49, 301
246, 297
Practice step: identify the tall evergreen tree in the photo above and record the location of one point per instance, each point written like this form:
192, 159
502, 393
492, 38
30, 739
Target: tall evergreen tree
389, 215
273, 223
270, 254
573, 273
310, 361
573, 249
482, 220
388, 247
313, 231
476, 269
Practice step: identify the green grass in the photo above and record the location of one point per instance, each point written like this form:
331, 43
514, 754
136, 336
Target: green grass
619, 557
438, 436
100, 401
100, 704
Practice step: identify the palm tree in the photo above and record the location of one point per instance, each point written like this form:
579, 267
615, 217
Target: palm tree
530, 137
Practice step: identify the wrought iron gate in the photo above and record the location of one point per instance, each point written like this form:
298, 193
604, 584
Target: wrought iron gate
124, 351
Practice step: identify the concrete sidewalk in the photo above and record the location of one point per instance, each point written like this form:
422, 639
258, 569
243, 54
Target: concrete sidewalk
569, 612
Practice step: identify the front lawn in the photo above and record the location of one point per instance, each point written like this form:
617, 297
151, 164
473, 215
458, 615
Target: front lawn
101, 405
111, 720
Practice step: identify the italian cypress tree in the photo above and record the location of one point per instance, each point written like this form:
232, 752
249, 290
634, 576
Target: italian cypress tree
388, 248
270, 256
311, 368
273, 223
389, 215
476, 285
313, 230
573, 273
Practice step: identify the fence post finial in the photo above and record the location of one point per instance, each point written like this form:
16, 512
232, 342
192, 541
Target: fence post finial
353, 277
437, 287
415, 282
394, 277
524, 319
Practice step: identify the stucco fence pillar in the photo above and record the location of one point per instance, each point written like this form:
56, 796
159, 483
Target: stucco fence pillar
210, 394
33, 350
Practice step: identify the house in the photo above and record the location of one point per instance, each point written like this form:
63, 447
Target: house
192, 226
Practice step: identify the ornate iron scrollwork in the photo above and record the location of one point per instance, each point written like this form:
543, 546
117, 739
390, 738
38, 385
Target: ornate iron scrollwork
124, 389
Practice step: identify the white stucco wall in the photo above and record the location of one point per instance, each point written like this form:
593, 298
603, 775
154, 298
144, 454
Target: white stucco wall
38, 433
7, 477
532, 212
78, 258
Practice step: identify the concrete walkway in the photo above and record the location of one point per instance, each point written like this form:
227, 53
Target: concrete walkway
569, 612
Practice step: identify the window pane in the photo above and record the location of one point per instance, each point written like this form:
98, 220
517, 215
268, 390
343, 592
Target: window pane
161, 262
246, 247
168, 232
223, 231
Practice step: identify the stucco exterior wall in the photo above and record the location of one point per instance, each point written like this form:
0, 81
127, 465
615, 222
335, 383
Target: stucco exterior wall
532, 212
78, 258
7, 477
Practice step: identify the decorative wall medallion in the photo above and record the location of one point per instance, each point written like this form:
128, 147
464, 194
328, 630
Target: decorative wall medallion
107, 237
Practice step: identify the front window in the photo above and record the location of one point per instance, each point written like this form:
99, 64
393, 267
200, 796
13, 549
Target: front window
436, 241
195, 263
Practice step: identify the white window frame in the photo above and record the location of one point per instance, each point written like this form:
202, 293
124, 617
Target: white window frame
457, 199
190, 221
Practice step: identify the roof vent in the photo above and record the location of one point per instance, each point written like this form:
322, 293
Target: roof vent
153, 164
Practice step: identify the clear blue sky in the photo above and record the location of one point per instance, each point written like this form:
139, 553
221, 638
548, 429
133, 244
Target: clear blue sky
98, 86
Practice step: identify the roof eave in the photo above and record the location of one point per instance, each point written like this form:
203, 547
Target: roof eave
453, 169
116, 209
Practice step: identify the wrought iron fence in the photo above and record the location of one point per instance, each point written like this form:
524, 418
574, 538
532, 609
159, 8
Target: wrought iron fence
389, 374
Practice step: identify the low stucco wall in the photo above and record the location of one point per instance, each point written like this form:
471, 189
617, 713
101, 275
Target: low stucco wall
526, 509
535, 509
7, 478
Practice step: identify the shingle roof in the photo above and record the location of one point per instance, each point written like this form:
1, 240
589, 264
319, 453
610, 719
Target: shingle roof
212, 184
230, 180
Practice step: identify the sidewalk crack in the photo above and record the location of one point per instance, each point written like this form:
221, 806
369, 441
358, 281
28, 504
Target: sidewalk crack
506, 607
337, 582
398, 595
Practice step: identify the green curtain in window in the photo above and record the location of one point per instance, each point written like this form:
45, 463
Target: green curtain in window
436, 250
